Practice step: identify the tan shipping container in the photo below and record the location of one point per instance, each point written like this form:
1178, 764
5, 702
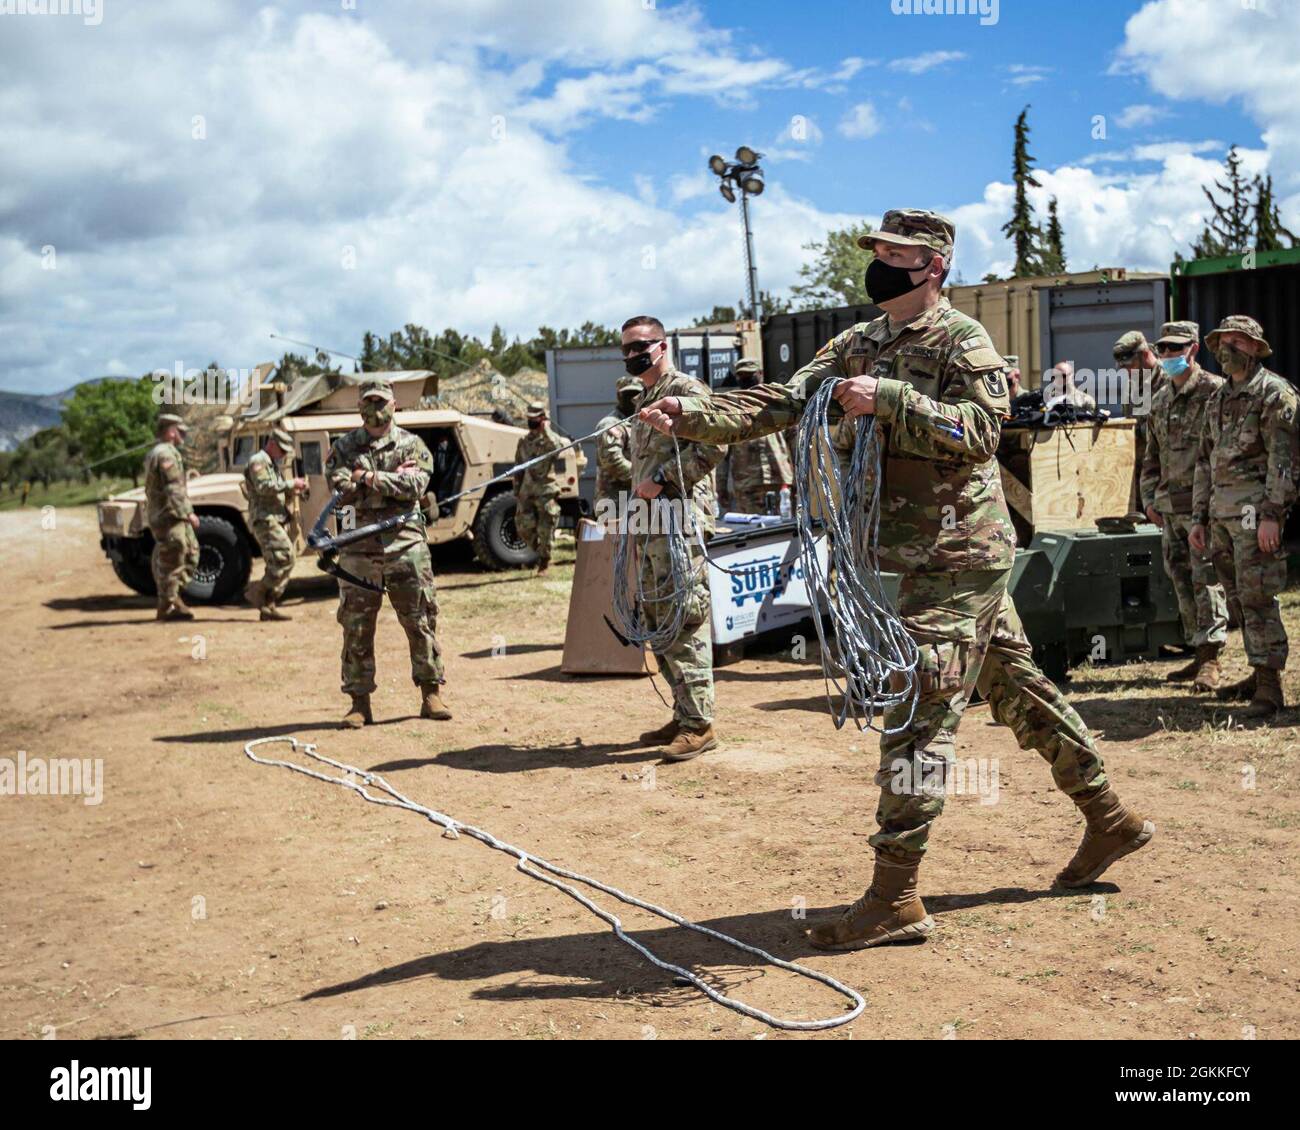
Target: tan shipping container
1009, 311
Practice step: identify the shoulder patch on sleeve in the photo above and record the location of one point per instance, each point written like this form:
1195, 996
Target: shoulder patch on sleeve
978, 356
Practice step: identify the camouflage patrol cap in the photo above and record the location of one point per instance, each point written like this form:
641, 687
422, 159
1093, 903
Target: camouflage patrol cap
1129, 345
1179, 333
375, 387
748, 365
283, 438
536, 410
169, 420
1242, 324
629, 383
914, 227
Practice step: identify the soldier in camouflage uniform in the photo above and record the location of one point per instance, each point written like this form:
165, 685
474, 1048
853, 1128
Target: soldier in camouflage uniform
1168, 475
1136, 360
758, 467
937, 387
538, 488
268, 514
1246, 482
171, 519
614, 447
386, 471
687, 662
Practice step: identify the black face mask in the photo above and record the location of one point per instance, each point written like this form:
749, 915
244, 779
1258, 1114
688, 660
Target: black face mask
638, 363
748, 380
885, 282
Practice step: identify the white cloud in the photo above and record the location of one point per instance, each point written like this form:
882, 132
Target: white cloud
860, 122
1135, 117
1025, 74
919, 64
390, 138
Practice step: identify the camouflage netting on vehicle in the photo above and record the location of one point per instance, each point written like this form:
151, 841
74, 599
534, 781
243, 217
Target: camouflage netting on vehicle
481, 391
306, 391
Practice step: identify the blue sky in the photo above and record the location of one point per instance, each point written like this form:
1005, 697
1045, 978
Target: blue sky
183, 180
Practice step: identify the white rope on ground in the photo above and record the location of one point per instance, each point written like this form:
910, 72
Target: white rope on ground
394, 799
869, 647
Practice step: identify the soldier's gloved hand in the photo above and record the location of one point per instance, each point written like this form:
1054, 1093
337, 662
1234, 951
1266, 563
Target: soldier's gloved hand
1196, 538
300, 485
648, 488
659, 416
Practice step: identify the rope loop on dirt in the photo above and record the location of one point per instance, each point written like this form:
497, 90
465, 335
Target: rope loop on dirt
361, 782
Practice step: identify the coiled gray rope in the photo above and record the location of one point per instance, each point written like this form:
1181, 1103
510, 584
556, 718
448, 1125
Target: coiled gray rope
868, 648
394, 799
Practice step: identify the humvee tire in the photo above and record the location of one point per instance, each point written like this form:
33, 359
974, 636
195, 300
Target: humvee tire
497, 543
136, 575
224, 562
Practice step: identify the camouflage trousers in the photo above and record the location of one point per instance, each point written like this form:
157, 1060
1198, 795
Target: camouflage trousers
407, 577
687, 662
175, 557
1201, 600
969, 636
536, 517
1253, 578
277, 554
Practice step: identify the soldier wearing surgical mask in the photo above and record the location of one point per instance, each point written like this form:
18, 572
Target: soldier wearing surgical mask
1245, 484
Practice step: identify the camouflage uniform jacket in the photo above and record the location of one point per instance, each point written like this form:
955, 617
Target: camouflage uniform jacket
1250, 450
941, 400
268, 491
762, 463
540, 479
653, 452
394, 492
1173, 441
165, 490
613, 457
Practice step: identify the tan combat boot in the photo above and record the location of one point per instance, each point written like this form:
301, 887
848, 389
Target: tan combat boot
269, 611
431, 704
1241, 691
254, 594
175, 610
360, 714
1112, 832
663, 735
1267, 699
1207, 668
543, 567
691, 743
889, 911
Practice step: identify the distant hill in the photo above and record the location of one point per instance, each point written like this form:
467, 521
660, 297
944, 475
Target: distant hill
23, 413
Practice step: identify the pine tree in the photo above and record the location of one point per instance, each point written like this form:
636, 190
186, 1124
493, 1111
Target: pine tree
1053, 254
1021, 229
1269, 232
1228, 231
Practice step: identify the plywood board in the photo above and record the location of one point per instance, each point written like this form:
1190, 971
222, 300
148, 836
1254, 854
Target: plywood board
1080, 473
590, 646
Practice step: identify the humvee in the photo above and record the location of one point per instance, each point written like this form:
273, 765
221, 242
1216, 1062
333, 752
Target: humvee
467, 451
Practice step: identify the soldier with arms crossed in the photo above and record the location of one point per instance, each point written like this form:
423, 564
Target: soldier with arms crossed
385, 470
936, 385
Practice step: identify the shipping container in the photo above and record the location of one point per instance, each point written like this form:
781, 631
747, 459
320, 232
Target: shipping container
581, 382
1074, 317
1207, 290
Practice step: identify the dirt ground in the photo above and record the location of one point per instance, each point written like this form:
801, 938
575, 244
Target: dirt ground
210, 897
